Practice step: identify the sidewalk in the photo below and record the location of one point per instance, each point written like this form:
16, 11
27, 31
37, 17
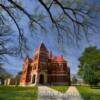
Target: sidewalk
46, 93
73, 93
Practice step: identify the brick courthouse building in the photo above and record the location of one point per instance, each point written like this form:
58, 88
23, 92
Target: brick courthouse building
44, 68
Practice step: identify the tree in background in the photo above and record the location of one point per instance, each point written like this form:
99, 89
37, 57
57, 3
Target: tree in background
17, 78
4, 74
89, 76
71, 20
90, 60
74, 80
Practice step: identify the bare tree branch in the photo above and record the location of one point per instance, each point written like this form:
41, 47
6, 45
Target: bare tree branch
69, 20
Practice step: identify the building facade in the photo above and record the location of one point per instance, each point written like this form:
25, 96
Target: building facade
45, 68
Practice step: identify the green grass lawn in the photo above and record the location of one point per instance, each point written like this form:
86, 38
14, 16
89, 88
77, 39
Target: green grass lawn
61, 88
18, 93
89, 93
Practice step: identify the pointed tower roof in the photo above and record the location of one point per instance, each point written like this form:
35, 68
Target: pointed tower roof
28, 59
43, 47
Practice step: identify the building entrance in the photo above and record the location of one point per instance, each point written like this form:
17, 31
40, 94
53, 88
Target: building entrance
41, 79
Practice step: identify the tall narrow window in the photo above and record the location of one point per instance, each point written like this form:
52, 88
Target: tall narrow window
33, 79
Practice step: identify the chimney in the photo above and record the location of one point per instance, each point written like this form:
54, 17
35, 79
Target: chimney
50, 54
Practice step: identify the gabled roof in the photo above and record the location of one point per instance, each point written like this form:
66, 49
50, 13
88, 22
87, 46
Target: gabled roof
28, 59
60, 58
57, 58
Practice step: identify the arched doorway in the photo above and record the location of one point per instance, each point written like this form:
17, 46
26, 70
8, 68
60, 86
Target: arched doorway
41, 79
33, 79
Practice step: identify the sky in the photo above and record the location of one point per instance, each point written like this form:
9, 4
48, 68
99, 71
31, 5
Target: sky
72, 52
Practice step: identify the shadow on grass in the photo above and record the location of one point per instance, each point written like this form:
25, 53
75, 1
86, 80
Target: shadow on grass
96, 87
89, 93
91, 96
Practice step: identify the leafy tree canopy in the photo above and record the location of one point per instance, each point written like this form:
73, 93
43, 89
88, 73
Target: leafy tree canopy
90, 56
89, 75
4, 74
74, 80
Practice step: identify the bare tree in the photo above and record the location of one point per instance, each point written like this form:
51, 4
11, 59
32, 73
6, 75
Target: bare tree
71, 19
